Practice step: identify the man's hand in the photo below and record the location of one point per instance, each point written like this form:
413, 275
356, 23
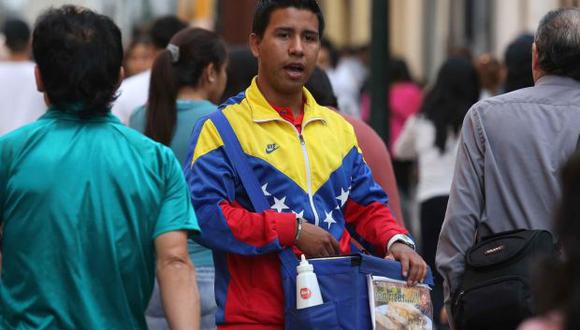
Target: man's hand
413, 266
317, 242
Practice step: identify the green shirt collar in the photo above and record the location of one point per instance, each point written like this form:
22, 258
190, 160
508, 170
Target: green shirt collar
71, 113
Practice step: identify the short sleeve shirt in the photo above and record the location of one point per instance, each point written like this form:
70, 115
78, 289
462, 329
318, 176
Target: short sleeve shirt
81, 202
188, 113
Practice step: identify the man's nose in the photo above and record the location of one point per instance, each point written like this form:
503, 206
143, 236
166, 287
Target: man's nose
296, 46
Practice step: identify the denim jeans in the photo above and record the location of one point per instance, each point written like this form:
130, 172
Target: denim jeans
155, 315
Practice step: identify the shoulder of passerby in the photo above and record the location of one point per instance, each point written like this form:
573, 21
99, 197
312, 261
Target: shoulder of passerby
176, 211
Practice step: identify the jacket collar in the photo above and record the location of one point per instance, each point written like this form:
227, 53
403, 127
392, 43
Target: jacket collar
262, 111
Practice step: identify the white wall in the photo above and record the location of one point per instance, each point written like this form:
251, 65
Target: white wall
406, 27
125, 13
514, 17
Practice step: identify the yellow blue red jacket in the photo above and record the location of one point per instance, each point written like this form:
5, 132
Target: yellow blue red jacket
318, 173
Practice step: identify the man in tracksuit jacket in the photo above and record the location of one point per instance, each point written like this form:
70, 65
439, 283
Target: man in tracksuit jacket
309, 165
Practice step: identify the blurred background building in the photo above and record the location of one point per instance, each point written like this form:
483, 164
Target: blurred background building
421, 31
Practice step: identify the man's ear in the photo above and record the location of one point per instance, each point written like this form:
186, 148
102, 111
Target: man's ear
210, 73
535, 60
254, 41
38, 79
537, 71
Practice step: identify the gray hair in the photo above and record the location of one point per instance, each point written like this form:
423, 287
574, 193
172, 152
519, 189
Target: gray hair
558, 43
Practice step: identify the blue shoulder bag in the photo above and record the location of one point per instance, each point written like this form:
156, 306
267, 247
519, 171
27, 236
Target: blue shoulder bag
343, 280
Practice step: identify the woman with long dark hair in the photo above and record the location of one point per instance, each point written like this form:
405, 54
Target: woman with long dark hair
432, 139
187, 80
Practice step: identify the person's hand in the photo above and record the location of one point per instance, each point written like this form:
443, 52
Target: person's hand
317, 242
413, 266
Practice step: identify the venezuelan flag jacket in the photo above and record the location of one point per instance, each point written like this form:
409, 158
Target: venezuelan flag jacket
318, 173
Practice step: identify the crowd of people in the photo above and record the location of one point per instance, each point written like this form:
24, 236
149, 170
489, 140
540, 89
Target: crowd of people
112, 164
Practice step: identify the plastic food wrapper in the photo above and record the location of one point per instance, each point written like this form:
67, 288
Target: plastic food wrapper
396, 306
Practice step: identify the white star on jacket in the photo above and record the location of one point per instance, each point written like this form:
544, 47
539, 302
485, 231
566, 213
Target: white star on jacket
329, 219
279, 204
299, 214
265, 191
343, 197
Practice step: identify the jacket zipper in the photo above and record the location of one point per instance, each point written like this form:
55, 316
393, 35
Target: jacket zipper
307, 165
308, 177
487, 283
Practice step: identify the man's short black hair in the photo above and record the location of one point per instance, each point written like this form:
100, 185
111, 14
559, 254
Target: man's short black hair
17, 35
265, 8
79, 55
164, 28
558, 43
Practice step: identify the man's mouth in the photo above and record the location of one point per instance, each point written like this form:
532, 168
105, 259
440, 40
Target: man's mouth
294, 70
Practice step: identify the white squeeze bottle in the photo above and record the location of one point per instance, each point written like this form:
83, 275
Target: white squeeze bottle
307, 290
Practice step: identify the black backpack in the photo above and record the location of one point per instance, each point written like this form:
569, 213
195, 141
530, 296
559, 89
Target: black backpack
495, 292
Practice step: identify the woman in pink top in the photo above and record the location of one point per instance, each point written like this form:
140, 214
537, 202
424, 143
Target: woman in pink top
405, 99
558, 281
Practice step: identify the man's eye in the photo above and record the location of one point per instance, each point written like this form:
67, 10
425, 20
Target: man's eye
283, 35
310, 37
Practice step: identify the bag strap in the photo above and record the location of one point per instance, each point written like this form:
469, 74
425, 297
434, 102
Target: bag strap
239, 161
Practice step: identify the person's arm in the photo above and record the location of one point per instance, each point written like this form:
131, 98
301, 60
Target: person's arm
405, 148
389, 183
176, 276
465, 206
370, 221
176, 219
226, 225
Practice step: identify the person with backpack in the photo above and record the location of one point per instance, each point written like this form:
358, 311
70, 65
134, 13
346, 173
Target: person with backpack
511, 149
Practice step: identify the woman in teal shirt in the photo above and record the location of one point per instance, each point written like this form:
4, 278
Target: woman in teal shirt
187, 80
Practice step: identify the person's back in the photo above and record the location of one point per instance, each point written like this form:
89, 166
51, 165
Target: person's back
529, 133
89, 209
21, 102
512, 147
80, 208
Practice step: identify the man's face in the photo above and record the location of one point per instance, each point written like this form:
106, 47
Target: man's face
288, 50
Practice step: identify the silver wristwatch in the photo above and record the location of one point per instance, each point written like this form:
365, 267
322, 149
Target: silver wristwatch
299, 222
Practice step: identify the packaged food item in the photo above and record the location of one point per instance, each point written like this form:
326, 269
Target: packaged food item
397, 306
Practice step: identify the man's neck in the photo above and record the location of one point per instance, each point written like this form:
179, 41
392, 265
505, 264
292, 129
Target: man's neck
293, 101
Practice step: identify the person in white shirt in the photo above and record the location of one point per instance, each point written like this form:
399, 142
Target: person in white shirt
21, 102
134, 90
432, 139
